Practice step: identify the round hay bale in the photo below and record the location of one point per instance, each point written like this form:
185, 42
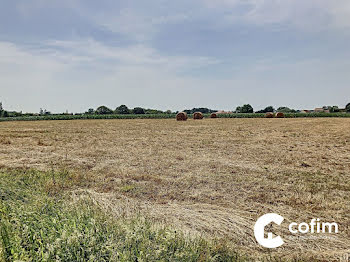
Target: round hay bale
269, 115
279, 115
213, 115
182, 116
197, 115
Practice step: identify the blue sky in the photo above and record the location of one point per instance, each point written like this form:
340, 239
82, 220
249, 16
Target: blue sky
75, 54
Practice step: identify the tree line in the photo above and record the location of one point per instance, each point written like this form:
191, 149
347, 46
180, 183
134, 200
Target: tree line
124, 110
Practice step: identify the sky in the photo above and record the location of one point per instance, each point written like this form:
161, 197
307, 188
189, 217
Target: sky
77, 54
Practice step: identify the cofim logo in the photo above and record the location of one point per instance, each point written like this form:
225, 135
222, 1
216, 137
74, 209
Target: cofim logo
315, 226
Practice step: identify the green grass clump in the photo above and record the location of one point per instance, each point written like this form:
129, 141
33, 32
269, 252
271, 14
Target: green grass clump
40, 222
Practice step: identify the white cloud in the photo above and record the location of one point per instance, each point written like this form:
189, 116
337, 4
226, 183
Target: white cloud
82, 72
18, 59
138, 24
141, 21
58, 55
76, 75
34, 7
309, 14
24, 76
140, 55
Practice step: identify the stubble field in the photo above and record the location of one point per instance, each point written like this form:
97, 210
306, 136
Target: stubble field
211, 178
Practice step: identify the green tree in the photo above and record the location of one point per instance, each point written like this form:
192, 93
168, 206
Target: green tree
269, 109
347, 107
203, 110
138, 111
103, 110
123, 110
238, 109
247, 108
90, 111
334, 109
285, 109
44, 112
266, 110
153, 111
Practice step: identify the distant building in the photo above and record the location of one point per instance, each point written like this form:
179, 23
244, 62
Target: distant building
306, 111
224, 112
321, 110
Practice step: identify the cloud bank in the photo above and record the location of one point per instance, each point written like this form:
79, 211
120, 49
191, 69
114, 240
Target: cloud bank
71, 55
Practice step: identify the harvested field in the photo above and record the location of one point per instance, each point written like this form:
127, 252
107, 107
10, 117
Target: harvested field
212, 178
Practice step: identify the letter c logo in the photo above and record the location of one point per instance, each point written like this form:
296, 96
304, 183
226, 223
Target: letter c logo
259, 231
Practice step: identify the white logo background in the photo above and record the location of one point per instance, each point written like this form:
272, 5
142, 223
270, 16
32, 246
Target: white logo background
259, 231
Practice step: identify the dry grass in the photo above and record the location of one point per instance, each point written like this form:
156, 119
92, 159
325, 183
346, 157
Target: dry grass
5, 141
212, 178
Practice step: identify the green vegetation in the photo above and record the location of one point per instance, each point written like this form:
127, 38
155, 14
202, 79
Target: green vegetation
138, 111
87, 116
103, 110
287, 115
333, 109
245, 109
203, 110
347, 108
284, 109
3, 113
40, 222
123, 112
162, 116
267, 109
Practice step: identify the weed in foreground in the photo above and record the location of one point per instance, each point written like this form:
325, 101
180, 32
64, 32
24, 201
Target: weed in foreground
37, 225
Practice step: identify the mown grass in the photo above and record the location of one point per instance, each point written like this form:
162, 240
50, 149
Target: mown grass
40, 222
164, 116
